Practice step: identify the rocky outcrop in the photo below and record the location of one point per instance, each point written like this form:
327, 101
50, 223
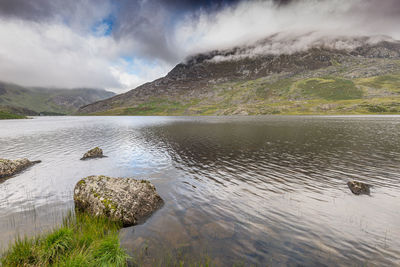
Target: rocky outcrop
358, 188
11, 167
126, 200
93, 153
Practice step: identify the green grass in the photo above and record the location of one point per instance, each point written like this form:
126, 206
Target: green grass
390, 82
330, 88
156, 106
379, 85
280, 87
8, 116
362, 106
82, 240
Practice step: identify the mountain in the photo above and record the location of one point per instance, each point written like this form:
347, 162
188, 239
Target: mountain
286, 76
32, 101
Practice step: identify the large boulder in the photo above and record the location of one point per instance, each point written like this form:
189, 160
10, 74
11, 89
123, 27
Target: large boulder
11, 167
93, 153
126, 200
358, 188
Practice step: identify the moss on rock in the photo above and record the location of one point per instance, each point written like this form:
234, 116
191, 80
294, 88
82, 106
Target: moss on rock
126, 200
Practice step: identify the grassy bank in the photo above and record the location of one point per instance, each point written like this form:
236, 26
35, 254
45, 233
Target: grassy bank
82, 240
8, 116
372, 106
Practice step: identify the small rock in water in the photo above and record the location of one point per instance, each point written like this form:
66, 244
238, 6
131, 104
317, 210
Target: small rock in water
11, 167
93, 153
126, 200
358, 188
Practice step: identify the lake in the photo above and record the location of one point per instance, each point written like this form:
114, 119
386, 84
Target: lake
268, 190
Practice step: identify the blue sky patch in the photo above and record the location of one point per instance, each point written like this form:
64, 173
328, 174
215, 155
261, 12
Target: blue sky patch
104, 27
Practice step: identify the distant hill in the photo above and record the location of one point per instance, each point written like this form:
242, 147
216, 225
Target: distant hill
31, 101
335, 76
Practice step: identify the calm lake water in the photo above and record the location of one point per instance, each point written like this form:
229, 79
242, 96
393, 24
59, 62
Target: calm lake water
240, 190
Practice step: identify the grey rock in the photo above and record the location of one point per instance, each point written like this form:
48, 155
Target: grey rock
11, 167
358, 188
93, 153
125, 200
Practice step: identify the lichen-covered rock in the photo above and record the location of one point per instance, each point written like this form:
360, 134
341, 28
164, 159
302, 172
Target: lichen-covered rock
358, 188
126, 200
11, 167
93, 153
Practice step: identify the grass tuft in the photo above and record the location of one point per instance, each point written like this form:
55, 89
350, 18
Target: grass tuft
108, 252
82, 240
56, 244
21, 253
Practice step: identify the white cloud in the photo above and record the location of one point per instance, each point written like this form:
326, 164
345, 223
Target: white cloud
140, 72
250, 21
53, 55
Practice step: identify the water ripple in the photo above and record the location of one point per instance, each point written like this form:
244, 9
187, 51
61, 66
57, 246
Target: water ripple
264, 190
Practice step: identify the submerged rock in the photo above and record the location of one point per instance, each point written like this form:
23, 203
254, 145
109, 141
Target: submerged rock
93, 153
358, 188
11, 167
126, 200
219, 229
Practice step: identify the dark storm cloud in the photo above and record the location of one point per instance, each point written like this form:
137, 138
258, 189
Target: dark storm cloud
379, 9
78, 14
40, 10
151, 23
29, 10
193, 4
146, 24
283, 2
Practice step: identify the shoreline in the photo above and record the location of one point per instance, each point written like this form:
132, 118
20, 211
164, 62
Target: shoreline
231, 115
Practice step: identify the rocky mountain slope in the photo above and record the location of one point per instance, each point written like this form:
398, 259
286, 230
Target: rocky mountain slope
338, 76
34, 101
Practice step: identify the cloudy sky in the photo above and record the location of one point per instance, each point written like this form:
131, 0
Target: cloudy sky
120, 44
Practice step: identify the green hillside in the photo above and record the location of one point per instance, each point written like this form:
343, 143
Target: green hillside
34, 101
295, 95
